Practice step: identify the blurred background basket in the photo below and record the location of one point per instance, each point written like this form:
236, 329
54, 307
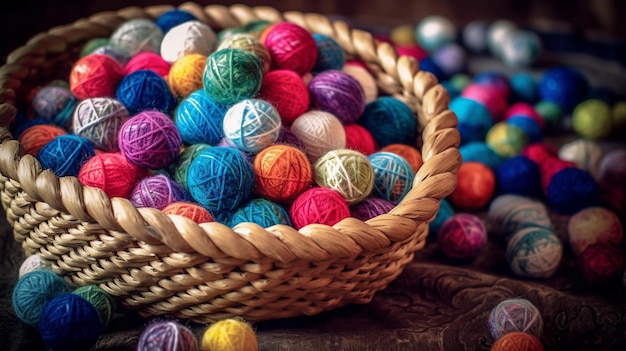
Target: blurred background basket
162, 264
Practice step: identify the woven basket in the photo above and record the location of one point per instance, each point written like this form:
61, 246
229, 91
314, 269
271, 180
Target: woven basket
168, 265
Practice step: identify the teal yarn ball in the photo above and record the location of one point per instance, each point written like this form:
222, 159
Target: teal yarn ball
445, 212
100, 299
220, 179
144, 90
199, 119
534, 253
261, 211
252, 125
33, 291
66, 154
330, 55
474, 119
232, 75
393, 176
524, 88
180, 166
479, 151
390, 121
70, 323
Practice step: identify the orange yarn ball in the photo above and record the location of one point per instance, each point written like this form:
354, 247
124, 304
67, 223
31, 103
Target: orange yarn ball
190, 210
35, 137
185, 75
408, 152
476, 185
517, 341
282, 172
95, 75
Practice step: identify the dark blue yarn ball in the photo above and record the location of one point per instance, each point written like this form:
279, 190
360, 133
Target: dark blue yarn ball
571, 190
493, 78
428, 64
565, 86
519, 175
144, 90
390, 121
66, 154
530, 127
22, 122
172, 18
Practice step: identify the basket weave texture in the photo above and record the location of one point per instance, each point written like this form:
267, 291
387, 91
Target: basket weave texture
162, 264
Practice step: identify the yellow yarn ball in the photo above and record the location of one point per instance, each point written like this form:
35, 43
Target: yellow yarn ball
185, 75
232, 334
591, 119
403, 34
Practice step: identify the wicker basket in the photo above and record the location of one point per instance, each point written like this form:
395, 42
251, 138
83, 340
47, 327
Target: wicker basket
163, 264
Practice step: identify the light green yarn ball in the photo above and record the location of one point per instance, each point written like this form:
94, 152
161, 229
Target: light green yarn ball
100, 299
346, 171
592, 119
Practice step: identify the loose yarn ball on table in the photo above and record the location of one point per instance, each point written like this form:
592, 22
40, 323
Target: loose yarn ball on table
32, 292
360, 139
601, 263
339, 93
432, 32
390, 121
137, 35
147, 60
247, 42
525, 109
330, 55
232, 75
287, 91
534, 253
515, 315
474, 119
549, 168
571, 190
190, 210
157, 191
32, 263
517, 341
261, 211
508, 213
563, 85
524, 87
35, 137
102, 301
528, 125
189, 37
99, 120
370, 207
112, 173
476, 185
393, 176
95, 75
291, 47
586, 154
232, 334
591, 225
490, 95
462, 237
54, 104
519, 175
145, 90
199, 119
251, 125
346, 171
66, 154
540, 152
319, 132
167, 336
185, 75
318, 205
282, 172
506, 139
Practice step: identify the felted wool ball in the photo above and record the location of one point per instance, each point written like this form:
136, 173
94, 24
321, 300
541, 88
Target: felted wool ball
137, 35
506, 139
93, 44
286, 137
525, 109
365, 78
232, 334
167, 335
199, 119
318, 205
186, 73
32, 292
515, 315
474, 119
519, 175
34, 138
408, 152
112, 173
319, 132
360, 139
524, 87
171, 18
517, 341
288, 93
232, 75
434, 31
145, 90
156, 191
147, 60
566, 86
534, 253
474, 36
330, 55
612, 168
529, 126
261, 211
99, 121
451, 58
32, 263
549, 168
403, 34
601, 263
586, 154
390, 121
550, 111
252, 125
592, 225
490, 96
370, 207
462, 237
248, 42
592, 119
479, 151
522, 49
66, 154
95, 75
476, 185
393, 176
190, 210
339, 93
55, 104
498, 32
571, 190
540, 152
346, 171
291, 47
189, 37
282, 172
99, 298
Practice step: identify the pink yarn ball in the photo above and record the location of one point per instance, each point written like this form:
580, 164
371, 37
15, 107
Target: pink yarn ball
291, 47
318, 205
490, 96
525, 109
463, 236
157, 191
147, 60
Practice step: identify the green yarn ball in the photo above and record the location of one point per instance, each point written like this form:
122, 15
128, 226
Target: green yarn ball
346, 171
99, 298
232, 75
592, 119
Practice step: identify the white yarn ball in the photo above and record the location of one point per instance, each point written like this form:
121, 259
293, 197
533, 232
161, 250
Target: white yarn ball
586, 154
252, 125
319, 132
137, 35
32, 263
366, 80
191, 37
498, 33
433, 32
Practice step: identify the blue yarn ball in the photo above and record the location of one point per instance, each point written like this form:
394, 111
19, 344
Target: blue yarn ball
66, 154
428, 64
474, 119
330, 55
70, 323
528, 125
252, 125
571, 190
220, 179
566, 86
390, 121
199, 119
144, 90
33, 291
170, 19
524, 88
479, 151
393, 176
261, 211
445, 212
22, 122
519, 175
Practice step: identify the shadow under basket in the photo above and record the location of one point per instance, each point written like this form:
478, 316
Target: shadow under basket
160, 264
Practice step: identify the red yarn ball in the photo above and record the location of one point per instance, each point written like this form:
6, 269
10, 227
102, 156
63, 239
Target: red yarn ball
358, 138
539, 152
517, 341
462, 236
147, 60
490, 96
190, 210
476, 185
288, 93
291, 47
318, 205
95, 75
525, 109
112, 173
601, 263
549, 168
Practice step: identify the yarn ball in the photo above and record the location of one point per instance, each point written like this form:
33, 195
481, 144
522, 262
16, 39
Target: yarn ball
346, 171
529, 126
434, 31
339, 93
286, 137
591, 119
534, 253
566, 86
173, 17
112, 173
32, 292
252, 125
31, 264
22, 122
393, 176
474, 36
550, 112
95, 75
496, 79
100, 299
291, 47
549, 168
515, 315
519, 175
66, 154
34, 138
260, 211
479, 151
412, 50
403, 34
318, 205
524, 87
232, 334
592, 225
571, 190
498, 32
427, 64
190, 210
137, 35
114, 52
612, 168
451, 59
445, 212
288, 93
618, 114
522, 49
99, 121
199, 119
474, 120
282, 172
509, 213
506, 140
527, 110
540, 152
476, 185
586, 154
186, 73
157, 191
248, 42
147, 60
149, 139
365, 78
167, 336
601, 263
517, 341
189, 37
93, 44
230, 31
370, 207
220, 179
55, 104
360, 139
144, 90
319, 132
330, 55
491, 96
232, 75
462, 237
390, 121
408, 152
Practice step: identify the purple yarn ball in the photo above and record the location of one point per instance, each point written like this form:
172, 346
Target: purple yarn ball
287, 137
167, 336
462, 237
371, 207
338, 93
157, 191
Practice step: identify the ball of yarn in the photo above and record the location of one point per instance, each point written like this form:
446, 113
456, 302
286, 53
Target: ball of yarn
54, 104
519, 175
474, 36
427, 64
414, 50
360, 139
137, 35
365, 78
517, 341
189, 37
534, 253
252, 125
282, 172
515, 315
199, 119
167, 336
522, 49
490, 96
261, 211
147, 60
190, 210
99, 298
156, 191
586, 154
451, 58
550, 112
592, 225
529, 126
145, 90
612, 168
370, 207
524, 87
339, 93
287, 137
149, 139
66, 154
248, 42
445, 212
185, 76
288, 93
319, 132
393, 176
95, 75
474, 120
346, 171
462, 237
601, 263
232, 334
565, 86
110, 172
506, 139
591, 119
22, 122
509, 213
291, 47
498, 32
232, 75
479, 151
549, 168
330, 55
99, 121
540, 152
571, 190
220, 179
32, 292
34, 138
32, 263
318, 205
618, 114
527, 110
390, 121
403, 34
93, 44
434, 31
476, 184
171, 18
408, 152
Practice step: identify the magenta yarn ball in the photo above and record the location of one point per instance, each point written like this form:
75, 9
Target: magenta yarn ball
147, 60
167, 336
291, 47
150, 140
492, 97
339, 93
463, 236
157, 191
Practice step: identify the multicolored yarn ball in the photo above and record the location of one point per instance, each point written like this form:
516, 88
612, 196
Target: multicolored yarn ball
474, 120
360, 139
601, 263
100, 299
365, 78
408, 152
586, 154
509, 213
282, 172
291, 47
157, 191
186, 73
445, 212
32, 263
393, 176
330, 55
199, 119
370, 207
248, 42
529, 126
517, 341
591, 119
534, 253
522, 49
565, 86
515, 315
506, 139
171, 18
287, 91
571, 190
252, 125
232, 334
93, 44
55, 104
318, 205
474, 36
339, 93
319, 132
498, 32
147, 60
112, 173
232, 75
390, 121
145, 90
491, 96
476, 186
262, 212
524, 87
462, 237
479, 151
434, 31
137, 35
592, 225
32, 292
519, 175
451, 58
189, 37
190, 210
95, 75
150, 140
34, 138
167, 336
66, 154
346, 171
99, 121
540, 152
